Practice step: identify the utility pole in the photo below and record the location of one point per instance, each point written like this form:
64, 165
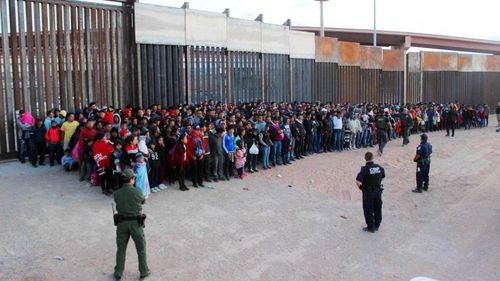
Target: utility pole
374, 23
322, 24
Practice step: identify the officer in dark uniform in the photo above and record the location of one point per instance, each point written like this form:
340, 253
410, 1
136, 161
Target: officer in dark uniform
383, 126
129, 222
423, 159
369, 180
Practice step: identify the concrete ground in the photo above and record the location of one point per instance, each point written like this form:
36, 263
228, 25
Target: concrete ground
300, 222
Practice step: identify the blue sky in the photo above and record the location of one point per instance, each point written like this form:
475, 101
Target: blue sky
474, 19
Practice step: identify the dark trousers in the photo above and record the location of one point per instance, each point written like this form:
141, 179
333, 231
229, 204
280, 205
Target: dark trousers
381, 139
106, 180
181, 175
450, 126
207, 164
299, 147
154, 176
252, 163
228, 166
309, 144
372, 208
197, 171
38, 153
423, 176
327, 144
406, 133
54, 153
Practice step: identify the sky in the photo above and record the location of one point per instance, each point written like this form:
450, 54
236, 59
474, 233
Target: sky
473, 19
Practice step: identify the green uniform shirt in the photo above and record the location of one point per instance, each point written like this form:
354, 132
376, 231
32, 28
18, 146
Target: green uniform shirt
129, 200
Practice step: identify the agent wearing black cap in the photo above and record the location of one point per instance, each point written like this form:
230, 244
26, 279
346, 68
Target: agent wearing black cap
423, 160
369, 180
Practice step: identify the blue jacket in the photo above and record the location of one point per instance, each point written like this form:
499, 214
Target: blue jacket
228, 143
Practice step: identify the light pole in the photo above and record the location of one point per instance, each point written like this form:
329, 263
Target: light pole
374, 23
322, 25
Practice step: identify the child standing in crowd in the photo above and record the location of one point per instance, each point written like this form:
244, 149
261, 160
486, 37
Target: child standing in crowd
53, 137
154, 164
241, 154
228, 144
116, 164
67, 161
141, 170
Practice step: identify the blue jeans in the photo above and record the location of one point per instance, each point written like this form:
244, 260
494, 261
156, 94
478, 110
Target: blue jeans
266, 150
316, 142
338, 140
22, 149
89, 167
291, 153
276, 153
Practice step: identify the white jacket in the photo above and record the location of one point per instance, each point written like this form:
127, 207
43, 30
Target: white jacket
354, 125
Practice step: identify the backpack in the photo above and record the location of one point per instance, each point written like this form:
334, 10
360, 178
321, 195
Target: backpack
199, 147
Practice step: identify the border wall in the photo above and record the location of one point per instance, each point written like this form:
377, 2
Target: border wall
64, 54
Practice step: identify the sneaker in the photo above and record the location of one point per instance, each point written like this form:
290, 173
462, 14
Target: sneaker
154, 190
417, 191
162, 186
201, 185
146, 274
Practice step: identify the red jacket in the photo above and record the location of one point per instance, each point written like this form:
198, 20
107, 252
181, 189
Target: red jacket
102, 151
86, 135
53, 135
191, 145
108, 118
181, 158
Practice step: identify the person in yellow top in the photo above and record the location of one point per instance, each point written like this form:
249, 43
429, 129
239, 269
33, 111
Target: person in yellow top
68, 128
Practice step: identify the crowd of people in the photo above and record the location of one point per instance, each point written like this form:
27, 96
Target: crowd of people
213, 141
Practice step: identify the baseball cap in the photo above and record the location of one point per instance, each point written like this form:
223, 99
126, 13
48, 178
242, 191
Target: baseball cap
127, 175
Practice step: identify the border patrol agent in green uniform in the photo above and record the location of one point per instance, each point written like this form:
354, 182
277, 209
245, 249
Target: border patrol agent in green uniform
406, 124
129, 222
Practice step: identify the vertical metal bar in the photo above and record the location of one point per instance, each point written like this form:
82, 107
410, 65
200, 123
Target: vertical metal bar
121, 65
40, 98
89, 66
46, 50
175, 70
213, 87
31, 55
113, 45
216, 60
209, 73
75, 26
67, 31
151, 76
54, 58
170, 76
107, 55
157, 73
163, 76
102, 56
95, 58
15, 55
198, 73
182, 70
23, 61
8, 93
81, 51
192, 74
144, 71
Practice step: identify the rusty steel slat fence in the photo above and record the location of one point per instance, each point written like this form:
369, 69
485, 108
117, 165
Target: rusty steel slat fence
276, 75
325, 81
244, 69
162, 72
301, 77
62, 54
392, 87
